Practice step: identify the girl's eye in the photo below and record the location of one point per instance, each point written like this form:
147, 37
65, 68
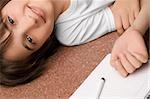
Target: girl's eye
29, 39
11, 21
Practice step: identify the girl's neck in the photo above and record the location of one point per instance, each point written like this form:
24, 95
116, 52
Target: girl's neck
60, 6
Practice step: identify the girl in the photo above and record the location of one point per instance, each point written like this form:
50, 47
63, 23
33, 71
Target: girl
27, 30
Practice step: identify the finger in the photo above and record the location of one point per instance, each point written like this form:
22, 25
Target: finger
118, 23
131, 19
136, 12
117, 65
114, 57
126, 64
125, 21
135, 62
140, 57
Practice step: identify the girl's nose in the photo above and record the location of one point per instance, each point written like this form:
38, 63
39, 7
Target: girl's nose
26, 24
31, 22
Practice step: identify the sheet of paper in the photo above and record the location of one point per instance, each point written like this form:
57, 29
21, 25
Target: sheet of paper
135, 86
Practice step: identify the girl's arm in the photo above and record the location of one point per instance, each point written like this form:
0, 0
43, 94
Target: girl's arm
129, 51
141, 23
125, 12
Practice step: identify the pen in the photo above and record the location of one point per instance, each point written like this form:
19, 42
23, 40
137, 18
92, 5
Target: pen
102, 82
147, 95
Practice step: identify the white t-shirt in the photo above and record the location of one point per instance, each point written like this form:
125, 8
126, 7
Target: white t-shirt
84, 21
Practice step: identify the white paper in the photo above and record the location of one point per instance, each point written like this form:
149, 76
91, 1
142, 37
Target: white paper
135, 86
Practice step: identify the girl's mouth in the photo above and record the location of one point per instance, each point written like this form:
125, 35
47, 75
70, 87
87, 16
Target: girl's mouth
39, 12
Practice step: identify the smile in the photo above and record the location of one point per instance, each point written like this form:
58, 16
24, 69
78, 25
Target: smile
39, 12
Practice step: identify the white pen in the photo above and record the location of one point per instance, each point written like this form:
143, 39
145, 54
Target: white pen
100, 87
147, 95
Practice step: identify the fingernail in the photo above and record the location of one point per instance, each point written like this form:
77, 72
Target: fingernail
125, 74
146, 60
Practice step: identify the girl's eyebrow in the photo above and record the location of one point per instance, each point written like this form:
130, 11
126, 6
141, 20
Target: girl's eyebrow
6, 31
6, 25
5, 36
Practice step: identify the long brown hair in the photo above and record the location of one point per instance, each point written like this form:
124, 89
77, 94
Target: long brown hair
19, 72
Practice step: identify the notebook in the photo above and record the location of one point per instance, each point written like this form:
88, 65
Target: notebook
135, 86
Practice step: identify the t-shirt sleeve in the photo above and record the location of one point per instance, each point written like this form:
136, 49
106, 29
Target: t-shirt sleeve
85, 24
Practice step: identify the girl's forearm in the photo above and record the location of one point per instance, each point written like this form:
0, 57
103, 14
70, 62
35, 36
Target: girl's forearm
141, 23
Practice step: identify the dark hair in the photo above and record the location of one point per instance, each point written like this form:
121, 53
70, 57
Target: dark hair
13, 73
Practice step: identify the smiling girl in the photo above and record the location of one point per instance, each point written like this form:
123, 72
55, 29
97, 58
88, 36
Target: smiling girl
26, 38
27, 30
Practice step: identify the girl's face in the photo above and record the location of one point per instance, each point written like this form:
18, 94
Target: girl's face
31, 23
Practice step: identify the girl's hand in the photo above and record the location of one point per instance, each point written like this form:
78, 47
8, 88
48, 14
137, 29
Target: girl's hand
125, 12
129, 52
